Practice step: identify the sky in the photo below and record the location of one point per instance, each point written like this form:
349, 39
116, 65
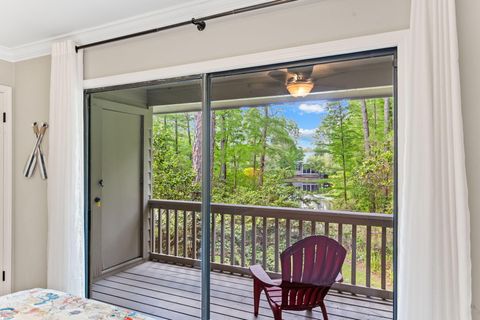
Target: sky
308, 115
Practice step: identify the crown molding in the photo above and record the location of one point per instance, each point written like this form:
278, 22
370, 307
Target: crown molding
155, 19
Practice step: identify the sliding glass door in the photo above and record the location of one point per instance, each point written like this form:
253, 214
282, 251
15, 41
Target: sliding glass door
235, 168
302, 150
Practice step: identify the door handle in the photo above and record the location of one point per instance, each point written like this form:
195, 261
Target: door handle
98, 201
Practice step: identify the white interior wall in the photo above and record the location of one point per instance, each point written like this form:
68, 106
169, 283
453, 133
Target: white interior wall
7, 73
31, 103
299, 23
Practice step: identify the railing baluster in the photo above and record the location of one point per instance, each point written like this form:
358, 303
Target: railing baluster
184, 233
213, 238
340, 236
254, 242
222, 239
327, 229
232, 239
264, 244
287, 232
160, 243
194, 235
277, 245
354, 254
313, 229
242, 248
153, 229
300, 229
167, 236
384, 259
368, 256
340, 233
175, 239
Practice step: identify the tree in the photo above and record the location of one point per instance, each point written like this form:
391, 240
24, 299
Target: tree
366, 129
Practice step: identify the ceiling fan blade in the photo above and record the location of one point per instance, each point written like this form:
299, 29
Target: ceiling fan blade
305, 71
279, 75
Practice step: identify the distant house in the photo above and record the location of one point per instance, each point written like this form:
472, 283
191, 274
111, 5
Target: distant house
303, 170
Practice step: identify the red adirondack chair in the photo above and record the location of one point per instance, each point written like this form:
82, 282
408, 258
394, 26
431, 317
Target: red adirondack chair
309, 269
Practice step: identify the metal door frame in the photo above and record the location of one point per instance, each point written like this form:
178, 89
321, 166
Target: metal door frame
206, 83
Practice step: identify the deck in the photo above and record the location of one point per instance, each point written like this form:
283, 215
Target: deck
166, 291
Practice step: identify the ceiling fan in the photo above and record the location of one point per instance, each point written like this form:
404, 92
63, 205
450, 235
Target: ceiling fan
298, 80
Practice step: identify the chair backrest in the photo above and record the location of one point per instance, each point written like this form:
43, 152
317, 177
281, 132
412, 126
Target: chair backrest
309, 268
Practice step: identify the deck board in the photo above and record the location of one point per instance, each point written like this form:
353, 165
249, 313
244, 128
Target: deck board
166, 291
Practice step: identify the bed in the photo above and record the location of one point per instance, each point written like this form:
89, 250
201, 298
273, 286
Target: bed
54, 305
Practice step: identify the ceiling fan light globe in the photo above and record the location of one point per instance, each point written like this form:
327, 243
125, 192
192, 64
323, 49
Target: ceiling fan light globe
299, 89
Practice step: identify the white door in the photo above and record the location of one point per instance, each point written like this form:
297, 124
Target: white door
5, 189
116, 176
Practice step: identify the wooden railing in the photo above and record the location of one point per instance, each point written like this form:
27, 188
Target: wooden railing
245, 235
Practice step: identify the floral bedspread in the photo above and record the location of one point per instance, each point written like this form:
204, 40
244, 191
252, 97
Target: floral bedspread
54, 305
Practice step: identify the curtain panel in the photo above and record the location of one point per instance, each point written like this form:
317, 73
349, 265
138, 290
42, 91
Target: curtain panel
66, 271
434, 276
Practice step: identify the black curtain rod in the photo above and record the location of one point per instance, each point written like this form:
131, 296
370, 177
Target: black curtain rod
200, 23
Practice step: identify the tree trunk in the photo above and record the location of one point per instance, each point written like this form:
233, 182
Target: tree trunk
223, 150
344, 160
386, 116
235, 171
212, 142
197, 148
366, 130
189, 134
176, 135
264, 146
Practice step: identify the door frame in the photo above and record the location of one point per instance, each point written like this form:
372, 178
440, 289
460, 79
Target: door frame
7, 190
145, 113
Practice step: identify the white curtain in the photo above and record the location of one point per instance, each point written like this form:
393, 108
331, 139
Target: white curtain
66, 270
434, 249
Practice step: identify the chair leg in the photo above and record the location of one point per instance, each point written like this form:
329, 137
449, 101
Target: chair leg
277, 314
257, 290
324, 310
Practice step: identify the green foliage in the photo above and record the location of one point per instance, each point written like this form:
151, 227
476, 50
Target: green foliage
173, 175
362, 179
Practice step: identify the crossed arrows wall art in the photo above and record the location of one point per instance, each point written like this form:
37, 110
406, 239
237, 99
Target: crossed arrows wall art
37, 155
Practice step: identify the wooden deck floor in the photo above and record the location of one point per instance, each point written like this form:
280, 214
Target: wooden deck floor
167, 291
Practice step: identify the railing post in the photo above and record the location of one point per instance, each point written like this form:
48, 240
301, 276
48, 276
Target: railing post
167, 227
369, 256
254, 241
222, 238
354, 254
232, 239
242, 248
185, 242
264, 244
277, 245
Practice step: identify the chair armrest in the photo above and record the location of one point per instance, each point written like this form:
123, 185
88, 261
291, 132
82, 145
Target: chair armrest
339, 277
260, 274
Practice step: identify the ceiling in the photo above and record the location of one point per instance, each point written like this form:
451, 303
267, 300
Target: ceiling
350, 79
28, 27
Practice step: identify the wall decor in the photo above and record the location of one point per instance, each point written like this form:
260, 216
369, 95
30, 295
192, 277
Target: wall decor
37, 154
